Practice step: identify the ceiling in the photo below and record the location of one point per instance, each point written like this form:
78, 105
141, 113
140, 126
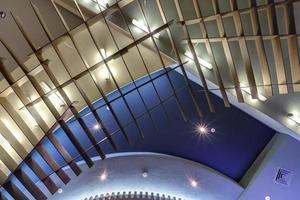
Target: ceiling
58, 58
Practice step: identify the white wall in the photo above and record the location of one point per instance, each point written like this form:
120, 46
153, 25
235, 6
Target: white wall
284, 152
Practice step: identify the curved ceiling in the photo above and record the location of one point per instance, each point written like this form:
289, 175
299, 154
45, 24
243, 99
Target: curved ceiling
105, 178
59, 57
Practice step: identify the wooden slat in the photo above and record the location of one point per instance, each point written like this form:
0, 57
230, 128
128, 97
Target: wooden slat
210, 52
39, 171
172, 41
197, 64
34, 112
179, 104
30, 185
279, 65
294, 62
264, 67
15, 192
52, 109
248, 67
233, 71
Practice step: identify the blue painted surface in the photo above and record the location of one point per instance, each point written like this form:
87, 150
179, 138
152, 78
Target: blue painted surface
231, 150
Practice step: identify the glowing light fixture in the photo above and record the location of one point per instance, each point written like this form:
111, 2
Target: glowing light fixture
55, 97
267, 198
103, 53
60, 190
202, 129
102, 3
145, 174
103, 176
143, 27
248, 91
202, 62
97, 126
294, 117
193, 183
104, 72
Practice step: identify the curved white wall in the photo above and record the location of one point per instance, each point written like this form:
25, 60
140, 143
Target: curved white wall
167, 175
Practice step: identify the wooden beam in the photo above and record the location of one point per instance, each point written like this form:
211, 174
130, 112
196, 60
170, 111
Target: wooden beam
172, 41
30, 185
263, 62
294, 62
211, 54
279, 65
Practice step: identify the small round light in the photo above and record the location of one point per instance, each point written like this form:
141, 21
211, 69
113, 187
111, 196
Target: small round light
212, 130
145, 174
193, 183
2, 14
96, 127
103, 176
202, 129
107, 108
267, 198
60, 190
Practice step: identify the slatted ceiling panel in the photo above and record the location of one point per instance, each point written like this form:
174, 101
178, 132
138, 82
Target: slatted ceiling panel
208, 48
155, 59
41, 109
88, 87
28, 127
294, 62
10, 125
103, 37
279, 66
74, 96
70, 57
8, 154
9, 136
263, 63
54, 65
31, 63
133, 59
151, 59
3, 177
86, 46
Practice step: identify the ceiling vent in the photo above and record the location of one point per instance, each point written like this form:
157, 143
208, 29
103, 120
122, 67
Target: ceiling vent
284, 177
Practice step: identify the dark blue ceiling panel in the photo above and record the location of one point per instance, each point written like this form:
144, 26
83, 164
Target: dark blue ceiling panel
231, 150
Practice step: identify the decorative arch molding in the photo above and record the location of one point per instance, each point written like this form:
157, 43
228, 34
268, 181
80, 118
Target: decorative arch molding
132, 196
168, 175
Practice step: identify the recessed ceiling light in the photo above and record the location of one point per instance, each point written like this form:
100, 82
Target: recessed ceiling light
248, 91
143, 27
294, 117
145, 174
212, 130
267, 198
104, 73
201, 129
97, 126
103, 176
60, 190
193, 183
2, 14
201, 61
